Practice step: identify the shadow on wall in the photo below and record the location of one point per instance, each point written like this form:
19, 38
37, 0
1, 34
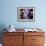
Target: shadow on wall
2, 26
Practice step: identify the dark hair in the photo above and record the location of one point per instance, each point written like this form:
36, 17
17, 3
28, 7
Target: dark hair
30, 9
21, 9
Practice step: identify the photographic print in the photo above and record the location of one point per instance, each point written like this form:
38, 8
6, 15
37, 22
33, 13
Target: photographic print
26, 14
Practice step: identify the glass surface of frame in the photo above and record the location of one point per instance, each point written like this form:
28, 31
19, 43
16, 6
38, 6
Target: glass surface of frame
26, 14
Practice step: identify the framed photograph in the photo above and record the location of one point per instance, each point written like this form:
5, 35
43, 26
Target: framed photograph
26, 14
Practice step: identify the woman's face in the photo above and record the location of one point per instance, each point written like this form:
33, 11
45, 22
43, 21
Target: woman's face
31, 12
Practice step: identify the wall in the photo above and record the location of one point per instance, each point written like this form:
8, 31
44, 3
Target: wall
8, 13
